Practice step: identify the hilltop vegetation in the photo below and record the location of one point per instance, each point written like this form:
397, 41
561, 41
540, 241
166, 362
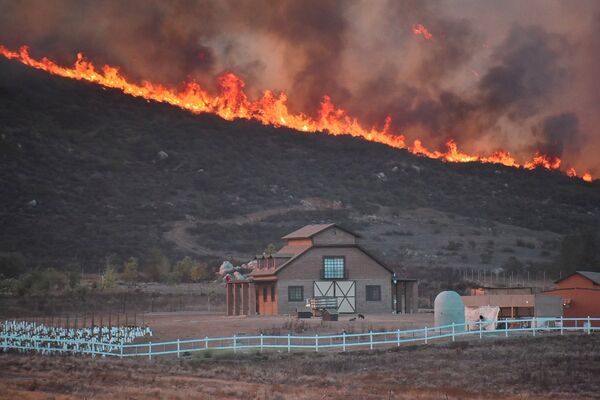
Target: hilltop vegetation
88, 173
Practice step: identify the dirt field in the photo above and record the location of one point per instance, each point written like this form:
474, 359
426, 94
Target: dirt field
548, 367
189, 325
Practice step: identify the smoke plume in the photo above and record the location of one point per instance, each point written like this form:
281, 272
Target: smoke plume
515, 75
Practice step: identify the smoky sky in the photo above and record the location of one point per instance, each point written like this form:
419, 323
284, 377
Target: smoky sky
508, 74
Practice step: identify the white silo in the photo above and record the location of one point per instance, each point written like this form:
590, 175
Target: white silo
449, 308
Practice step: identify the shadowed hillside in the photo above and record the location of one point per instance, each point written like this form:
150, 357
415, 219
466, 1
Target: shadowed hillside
87, 172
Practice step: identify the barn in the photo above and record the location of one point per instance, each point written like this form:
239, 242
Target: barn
580, 293
321, 262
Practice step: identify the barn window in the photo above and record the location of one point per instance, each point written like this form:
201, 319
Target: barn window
295, 293
334, 268
373, 293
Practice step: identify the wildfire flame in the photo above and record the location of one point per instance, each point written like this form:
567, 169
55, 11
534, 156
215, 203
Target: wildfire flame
270, 109
419, 29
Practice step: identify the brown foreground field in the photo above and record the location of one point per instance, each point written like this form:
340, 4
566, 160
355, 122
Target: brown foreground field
547, 367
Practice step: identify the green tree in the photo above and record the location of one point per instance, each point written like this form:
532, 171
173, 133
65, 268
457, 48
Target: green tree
270, 249
199, 272
156, 267
580, 251
109, 277
11, 265
183, 269
130, 270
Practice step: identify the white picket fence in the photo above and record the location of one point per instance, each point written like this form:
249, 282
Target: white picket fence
289, 343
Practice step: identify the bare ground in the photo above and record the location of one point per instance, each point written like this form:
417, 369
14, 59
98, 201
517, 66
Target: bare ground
524, 368
191, 325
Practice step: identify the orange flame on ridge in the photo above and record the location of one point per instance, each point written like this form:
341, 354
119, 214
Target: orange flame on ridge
419, 29
270, 109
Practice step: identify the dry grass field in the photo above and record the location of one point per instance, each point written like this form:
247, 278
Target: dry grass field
549, 367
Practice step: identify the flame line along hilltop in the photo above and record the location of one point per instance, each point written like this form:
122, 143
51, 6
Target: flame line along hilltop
270, 109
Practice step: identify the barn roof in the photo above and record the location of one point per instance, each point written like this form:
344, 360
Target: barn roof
592, 276
309, 231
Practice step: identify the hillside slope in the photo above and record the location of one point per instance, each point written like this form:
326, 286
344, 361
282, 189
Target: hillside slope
87, 172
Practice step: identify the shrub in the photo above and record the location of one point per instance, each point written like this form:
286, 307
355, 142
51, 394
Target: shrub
130, 270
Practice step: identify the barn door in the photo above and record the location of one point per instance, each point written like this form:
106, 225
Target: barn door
345, 291
324, 289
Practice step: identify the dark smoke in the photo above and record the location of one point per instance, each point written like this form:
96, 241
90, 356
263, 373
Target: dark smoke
515, 75
557, 134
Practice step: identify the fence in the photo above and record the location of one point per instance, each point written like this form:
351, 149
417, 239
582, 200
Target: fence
343, 341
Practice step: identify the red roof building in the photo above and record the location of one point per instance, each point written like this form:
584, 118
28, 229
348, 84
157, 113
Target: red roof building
580, 293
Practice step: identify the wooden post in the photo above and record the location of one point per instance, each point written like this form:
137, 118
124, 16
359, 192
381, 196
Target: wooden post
234, 344
206, 342
533, 325
316, 342
289, 343
398, 337
150, 350
371, 339
453, 331
425, 335
480, 330
506, 328
589, 322
121, 348
343, 341
177, 348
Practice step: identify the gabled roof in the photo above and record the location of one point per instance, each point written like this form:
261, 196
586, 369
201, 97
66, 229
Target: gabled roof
592, 276
309, 231
341, 246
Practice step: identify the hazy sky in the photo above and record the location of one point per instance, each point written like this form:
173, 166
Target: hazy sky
519, 75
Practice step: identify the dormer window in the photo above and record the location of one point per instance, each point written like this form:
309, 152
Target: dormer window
334, 268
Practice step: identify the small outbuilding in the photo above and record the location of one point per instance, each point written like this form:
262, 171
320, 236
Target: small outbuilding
514, 303
580, 295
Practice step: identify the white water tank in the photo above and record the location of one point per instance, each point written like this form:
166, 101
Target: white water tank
449, 308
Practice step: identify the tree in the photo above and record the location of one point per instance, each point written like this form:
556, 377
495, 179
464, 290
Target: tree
270, 249
130, 270
199, 272
11, 265
183, 269
580, 251
157, 266
109, 277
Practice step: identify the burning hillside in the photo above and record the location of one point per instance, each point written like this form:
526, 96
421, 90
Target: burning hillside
272, 109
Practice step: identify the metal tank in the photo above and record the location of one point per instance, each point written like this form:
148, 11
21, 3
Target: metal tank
449, 308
